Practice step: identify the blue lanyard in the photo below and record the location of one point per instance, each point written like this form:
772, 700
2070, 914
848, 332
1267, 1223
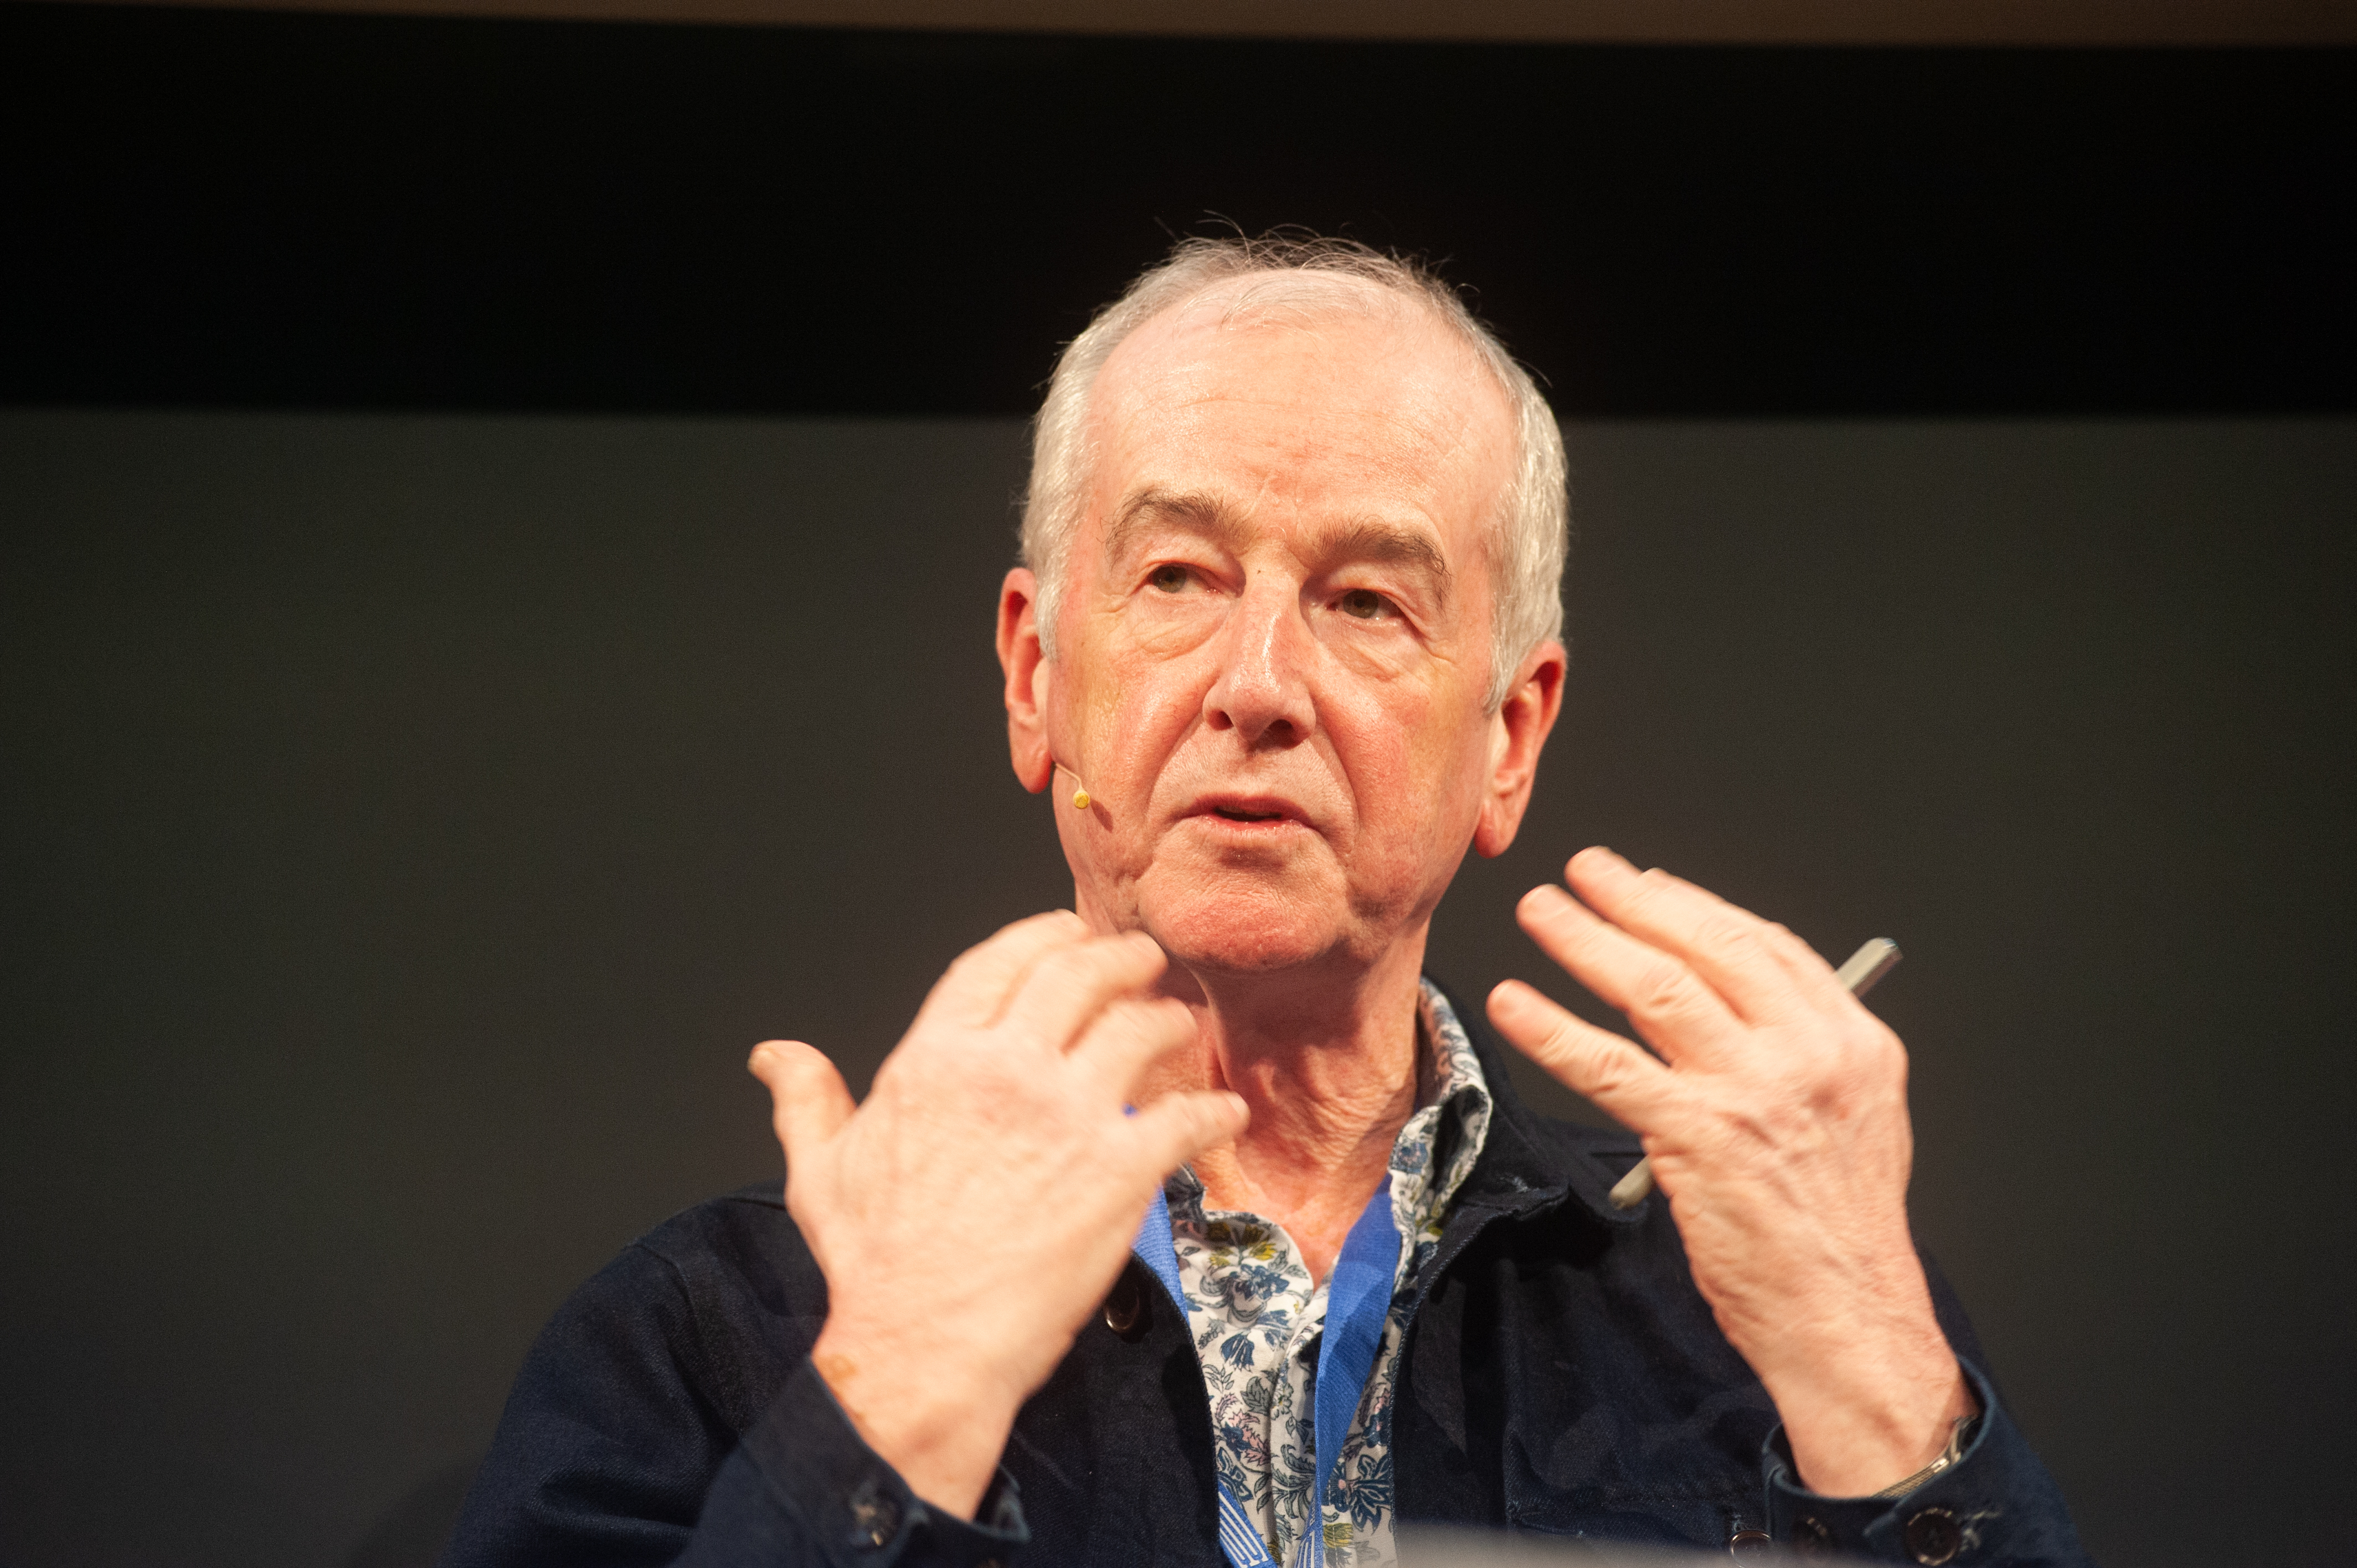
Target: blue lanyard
1358, 1300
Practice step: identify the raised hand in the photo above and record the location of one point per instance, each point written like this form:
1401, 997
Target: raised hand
1775, 1115
974, 1210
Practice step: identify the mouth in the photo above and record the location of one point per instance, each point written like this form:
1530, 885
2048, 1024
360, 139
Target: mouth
1250, 811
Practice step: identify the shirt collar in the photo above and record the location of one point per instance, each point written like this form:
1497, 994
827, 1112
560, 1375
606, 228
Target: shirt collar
1435, 1151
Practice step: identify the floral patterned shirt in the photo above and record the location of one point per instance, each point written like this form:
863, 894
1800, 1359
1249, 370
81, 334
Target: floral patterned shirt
1257, 1321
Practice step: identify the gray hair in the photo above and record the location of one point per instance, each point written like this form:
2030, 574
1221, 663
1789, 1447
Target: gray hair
1532, 531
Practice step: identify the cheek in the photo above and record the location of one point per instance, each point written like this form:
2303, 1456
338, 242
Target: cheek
1138, 705
1417, 787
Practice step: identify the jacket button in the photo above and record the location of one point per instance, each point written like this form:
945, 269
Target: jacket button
1749, 1542
1125, 1309
1933, 1537
1810, 1538
874, 1518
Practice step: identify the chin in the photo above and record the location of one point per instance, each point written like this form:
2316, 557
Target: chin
1245, 925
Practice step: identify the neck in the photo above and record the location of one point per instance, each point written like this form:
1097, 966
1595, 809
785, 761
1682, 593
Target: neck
1330, 1064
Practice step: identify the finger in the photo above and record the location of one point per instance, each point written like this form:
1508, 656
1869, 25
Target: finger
1121, 1041
1810, 972
1630, 1086
807, 1100
1666, 1001
1729, 947
977, 986
1068, 987
1179, 1126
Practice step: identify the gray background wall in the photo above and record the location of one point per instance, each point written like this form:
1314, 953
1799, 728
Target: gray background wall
409, 822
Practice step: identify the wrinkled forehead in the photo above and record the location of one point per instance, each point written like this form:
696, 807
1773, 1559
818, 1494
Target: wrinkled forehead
1365, 369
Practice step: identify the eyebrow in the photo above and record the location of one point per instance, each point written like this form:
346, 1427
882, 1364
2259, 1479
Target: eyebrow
1373, 540
1194, 512
1365, 539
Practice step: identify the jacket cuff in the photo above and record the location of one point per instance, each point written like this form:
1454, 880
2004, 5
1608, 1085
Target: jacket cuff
853, 1506
1995, 1504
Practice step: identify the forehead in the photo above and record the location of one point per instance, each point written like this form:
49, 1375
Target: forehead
1354, 403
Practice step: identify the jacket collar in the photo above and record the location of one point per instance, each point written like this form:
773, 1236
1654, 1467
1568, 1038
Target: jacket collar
1530, 1162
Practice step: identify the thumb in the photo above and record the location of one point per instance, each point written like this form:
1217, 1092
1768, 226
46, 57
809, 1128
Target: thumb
808, 1102
1177, 1127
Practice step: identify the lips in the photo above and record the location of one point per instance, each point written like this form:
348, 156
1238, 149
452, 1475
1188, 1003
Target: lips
1248, 810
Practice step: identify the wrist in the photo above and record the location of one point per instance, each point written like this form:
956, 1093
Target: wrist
1960, 1437
920, 1408
1853, 1436
1861, 1373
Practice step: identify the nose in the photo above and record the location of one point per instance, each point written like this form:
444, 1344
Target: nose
1263, 689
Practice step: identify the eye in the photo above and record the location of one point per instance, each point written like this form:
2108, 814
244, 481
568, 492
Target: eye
1170, 578
1363, 604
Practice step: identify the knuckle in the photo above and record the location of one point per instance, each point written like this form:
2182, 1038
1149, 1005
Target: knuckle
1637, 898
1662, 990
1732, 940
999, 1093
1781, 940
1598, 1065
1606, 1073
1561, 1041
1883, 1054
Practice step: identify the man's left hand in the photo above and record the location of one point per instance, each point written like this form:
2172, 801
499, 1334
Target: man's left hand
1776, 1119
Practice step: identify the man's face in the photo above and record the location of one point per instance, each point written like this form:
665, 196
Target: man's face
1274, 641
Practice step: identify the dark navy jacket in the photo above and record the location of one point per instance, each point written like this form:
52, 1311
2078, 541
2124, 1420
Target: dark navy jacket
1561, 1376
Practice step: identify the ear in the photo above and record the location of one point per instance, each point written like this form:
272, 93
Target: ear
1026, 665
1517, 732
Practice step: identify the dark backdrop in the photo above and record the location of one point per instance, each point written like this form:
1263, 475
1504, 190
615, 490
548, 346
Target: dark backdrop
219, 208
409, 818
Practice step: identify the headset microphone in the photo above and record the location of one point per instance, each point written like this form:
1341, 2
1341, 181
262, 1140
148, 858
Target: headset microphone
1081, 795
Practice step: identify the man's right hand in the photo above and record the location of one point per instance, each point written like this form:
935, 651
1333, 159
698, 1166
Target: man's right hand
974, 1210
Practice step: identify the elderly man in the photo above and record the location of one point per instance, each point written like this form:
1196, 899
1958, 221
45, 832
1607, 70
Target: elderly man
1195, 1223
